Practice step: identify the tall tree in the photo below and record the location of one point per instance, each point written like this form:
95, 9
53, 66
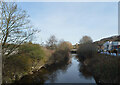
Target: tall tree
15, 26
85, 39
65, 45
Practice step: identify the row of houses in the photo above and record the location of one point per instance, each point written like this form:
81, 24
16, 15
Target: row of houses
108, 46
111, 46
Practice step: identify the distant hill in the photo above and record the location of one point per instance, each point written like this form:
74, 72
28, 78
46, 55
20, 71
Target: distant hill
102, 41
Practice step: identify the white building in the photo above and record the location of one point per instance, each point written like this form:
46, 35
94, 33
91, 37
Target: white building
106, 45
111, 46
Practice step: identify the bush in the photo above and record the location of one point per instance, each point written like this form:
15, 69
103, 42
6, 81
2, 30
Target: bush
86, 50
29, 55
62, 53
32, 50
16, 65
19, 63
64, 46
106, 69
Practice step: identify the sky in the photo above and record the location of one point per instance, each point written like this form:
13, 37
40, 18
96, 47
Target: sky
70, 21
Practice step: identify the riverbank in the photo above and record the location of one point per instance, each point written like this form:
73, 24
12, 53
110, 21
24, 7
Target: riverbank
64, 72
104, 68
32, 58
29, 58
43, 74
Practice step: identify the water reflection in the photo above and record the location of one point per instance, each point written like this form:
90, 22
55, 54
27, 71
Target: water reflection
71, 71
84, 72
49, 73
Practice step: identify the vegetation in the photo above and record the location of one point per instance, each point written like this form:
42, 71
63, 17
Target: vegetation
58, 60
29, 57
51, 43
18, 57
22, 57
64, 45
61, 53
44, 74
35, 52
15, 27
86, 49
16, 30
85, 39
104, 68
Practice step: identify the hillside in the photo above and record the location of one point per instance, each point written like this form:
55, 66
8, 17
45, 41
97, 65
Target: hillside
112, 38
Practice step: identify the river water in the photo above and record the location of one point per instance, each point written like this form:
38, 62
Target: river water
72, 74
67, 72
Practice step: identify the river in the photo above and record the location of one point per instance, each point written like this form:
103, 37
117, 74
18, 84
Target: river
72, 72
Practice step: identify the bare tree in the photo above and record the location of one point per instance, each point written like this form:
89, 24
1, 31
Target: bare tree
85, 39
15, 26
51, 43
64, 45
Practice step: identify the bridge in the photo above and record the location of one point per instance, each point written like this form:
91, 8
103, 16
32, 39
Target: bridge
73, 51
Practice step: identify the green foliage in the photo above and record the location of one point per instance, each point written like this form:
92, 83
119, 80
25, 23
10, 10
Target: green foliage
32, 50
29, 55
19, 63
16, 65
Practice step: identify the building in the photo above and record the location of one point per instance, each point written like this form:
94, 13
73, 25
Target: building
112, 46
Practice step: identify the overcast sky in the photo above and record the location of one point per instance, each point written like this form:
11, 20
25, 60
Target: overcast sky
71, 20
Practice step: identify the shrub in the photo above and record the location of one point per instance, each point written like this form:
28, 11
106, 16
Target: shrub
16, 65
32, 50
86, 50
64, 46
62, 53
29, 55
106, 69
